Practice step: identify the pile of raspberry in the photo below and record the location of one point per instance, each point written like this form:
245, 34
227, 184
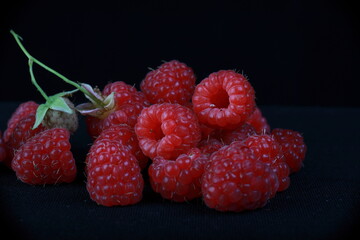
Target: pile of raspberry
208, 140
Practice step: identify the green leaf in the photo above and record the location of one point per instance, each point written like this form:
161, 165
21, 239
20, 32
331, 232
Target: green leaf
59, 104
40, 114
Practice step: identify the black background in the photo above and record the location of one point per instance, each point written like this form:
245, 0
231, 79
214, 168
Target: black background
294, 52
302, 57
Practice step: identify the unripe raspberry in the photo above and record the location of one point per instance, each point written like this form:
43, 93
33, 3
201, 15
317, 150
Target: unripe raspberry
59, 119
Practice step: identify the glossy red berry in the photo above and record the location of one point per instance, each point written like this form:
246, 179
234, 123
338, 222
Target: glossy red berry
293, 147
45, 158
113, 174
269, 151
22, 132
178, 180
172, 82
127, 99
128, 104
224, 99
234, 180
23, 110
167, 130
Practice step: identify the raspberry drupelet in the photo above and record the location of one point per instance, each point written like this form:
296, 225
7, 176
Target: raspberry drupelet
225, 99
234, 180
167, 130
172, 82
178, 180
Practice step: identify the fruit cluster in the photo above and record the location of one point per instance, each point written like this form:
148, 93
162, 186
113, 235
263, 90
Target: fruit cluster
207, 140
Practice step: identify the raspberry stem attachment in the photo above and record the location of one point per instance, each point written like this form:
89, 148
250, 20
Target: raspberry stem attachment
65, 79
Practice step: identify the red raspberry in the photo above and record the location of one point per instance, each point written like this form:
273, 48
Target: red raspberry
128, 104
172, 82
293, 147
3, 151
259, 122
113, 174
268, 150
167, 130
224, 99
127, 137
209, 146
46, 158
178, 180
23, 110
22, 132
238, 134
96, 125
127, 99
235, 181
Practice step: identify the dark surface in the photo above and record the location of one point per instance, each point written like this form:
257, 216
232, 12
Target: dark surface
296, 52
322, 201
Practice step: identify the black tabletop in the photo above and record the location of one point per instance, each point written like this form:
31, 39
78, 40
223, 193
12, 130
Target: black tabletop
322, 201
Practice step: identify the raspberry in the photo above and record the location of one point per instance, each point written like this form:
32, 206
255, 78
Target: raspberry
268, 150
127, 137
23, 110
167, 130
127, 99
128, 104
3, 151
209, 146
178, 180
22, 132
235, 181
172, 82
96, 125
238, 134
293, 147
113, 174
46, 158
224, 99
59, 119
259, 122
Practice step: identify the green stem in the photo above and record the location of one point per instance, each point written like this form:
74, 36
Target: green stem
33, 80
65, 79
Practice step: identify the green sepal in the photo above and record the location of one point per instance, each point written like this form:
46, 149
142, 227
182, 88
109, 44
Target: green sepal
63, 94
59, 104
40, 114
